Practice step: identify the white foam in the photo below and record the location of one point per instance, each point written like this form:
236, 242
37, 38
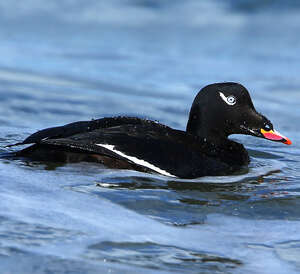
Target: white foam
136, 160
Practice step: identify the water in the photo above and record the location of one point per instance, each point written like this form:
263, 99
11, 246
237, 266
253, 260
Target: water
63, 62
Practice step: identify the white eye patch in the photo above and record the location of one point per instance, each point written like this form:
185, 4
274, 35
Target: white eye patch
230, 100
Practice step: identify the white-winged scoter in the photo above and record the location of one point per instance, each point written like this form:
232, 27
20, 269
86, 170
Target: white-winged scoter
204, 149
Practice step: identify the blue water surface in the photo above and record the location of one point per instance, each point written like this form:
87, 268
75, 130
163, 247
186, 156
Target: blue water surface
64, 61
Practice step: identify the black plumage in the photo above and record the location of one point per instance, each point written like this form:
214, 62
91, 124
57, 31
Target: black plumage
127, 142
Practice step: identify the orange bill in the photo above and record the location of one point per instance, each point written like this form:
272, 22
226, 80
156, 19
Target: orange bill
273, 135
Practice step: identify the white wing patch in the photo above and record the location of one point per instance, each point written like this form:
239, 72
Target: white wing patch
136, 160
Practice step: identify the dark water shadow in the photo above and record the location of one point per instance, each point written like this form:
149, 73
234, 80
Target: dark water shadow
161, 257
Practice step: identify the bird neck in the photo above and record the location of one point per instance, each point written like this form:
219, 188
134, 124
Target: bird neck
205, 128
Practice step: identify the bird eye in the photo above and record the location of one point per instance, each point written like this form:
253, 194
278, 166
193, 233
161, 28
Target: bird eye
231, 100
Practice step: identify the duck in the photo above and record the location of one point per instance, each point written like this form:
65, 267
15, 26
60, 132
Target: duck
203, 149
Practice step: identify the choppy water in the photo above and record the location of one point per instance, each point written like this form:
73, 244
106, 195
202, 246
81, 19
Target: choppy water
62, 62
